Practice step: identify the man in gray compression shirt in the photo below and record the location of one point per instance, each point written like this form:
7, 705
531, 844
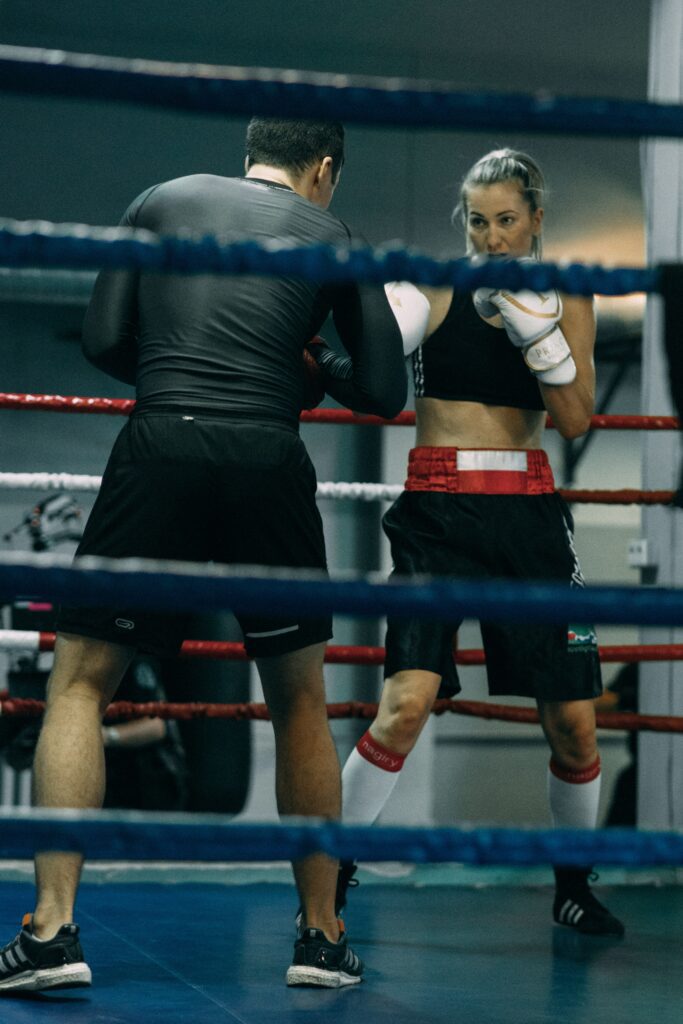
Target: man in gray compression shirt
211, 467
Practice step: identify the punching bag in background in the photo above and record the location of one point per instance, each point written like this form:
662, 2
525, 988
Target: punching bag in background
218, 751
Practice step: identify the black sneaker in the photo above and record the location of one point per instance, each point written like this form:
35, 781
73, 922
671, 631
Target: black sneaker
576, 906
345, 881
322, 963
31, 964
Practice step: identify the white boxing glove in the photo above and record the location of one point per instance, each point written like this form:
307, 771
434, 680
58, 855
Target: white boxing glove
531, 322
483, 304
411, 309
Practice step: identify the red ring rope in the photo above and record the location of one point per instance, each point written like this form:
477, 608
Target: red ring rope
19, 708
224, 650
67, 403
626, 496
123, 406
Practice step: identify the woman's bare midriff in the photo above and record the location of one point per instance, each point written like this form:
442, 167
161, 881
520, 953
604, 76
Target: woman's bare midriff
445, 423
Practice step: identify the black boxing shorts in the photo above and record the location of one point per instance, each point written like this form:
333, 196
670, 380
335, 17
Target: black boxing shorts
200, 488
490, 514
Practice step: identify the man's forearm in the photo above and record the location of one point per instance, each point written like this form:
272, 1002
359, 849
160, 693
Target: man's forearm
377, 382
110, 326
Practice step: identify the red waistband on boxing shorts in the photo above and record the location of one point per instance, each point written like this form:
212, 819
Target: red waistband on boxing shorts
479, 471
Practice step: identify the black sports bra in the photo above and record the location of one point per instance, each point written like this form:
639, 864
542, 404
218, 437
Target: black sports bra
468, 360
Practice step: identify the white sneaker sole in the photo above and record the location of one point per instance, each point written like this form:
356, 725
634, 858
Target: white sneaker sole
299, 975
66, 976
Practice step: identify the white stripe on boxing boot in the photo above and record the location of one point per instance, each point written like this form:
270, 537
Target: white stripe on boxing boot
571, 913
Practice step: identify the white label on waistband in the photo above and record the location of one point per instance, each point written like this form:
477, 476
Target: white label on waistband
507, 461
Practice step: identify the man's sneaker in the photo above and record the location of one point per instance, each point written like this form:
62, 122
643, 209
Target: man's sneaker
31, 965
576, 906
345, 881
317, 961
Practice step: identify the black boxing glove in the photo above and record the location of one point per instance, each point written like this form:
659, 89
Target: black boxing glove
314, 387
330, 365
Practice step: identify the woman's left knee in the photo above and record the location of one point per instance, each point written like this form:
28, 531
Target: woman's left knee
572, 737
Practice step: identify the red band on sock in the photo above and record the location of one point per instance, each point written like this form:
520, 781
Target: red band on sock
587, 775
376, 754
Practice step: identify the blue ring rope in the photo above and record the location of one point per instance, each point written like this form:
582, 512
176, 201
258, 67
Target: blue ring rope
211, 838
177, 586
79, 246
393, 102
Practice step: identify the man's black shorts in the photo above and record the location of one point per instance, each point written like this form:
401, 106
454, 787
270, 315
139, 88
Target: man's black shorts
202, 488
484, 536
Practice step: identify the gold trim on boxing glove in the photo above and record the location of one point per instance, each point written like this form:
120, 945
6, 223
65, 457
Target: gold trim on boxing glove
540, 357
532, 312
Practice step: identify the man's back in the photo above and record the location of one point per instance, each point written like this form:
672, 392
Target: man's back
230, 344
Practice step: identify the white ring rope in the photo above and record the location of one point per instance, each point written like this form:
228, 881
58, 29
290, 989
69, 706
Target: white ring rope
360, 492
49, 481
19, 640
81, 482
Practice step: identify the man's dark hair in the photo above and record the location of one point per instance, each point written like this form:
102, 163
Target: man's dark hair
295, 145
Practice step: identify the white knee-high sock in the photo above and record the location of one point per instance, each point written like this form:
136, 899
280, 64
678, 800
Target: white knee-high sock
369, 776
574, 796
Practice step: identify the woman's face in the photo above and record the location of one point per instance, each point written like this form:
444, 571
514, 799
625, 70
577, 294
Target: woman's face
500, 221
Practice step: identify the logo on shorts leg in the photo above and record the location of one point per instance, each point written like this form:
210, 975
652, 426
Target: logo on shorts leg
581, 638
124, 624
